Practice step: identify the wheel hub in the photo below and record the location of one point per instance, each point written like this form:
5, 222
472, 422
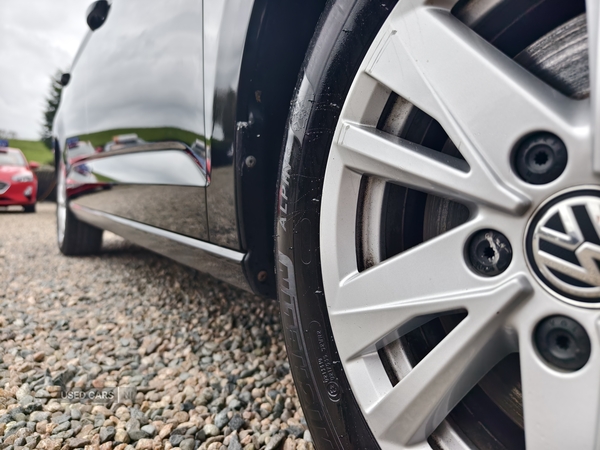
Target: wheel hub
563, 246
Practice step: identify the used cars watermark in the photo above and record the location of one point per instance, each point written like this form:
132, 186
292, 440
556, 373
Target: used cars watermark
123, 394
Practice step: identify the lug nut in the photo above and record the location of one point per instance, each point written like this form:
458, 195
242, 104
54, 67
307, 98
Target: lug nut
489, 252
540, 158
563, 343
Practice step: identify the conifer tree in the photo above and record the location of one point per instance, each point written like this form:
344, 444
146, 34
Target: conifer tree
52, 102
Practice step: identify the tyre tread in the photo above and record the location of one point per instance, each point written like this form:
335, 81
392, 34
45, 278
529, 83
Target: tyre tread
80, 238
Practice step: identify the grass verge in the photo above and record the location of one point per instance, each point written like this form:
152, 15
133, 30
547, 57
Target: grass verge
33, 151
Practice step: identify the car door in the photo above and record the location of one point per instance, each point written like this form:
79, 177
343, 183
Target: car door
132, 117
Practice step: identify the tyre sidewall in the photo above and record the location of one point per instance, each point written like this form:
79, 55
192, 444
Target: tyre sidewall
343, 37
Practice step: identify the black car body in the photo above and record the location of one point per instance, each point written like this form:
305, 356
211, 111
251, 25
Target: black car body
204, 87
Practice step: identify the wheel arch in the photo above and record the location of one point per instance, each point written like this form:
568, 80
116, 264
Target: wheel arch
278, 38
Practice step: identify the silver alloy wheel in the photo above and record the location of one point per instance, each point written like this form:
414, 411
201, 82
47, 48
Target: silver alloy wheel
486, 103
61, 206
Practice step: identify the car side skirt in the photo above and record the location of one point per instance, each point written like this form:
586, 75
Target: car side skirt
223, 263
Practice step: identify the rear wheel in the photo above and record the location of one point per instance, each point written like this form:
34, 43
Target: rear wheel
411, 312
75, 238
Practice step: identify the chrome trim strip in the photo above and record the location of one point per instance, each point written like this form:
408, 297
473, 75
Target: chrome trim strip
137, 148
165, 166
185, 240
222, 263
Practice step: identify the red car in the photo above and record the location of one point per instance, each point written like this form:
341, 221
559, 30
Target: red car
18, 184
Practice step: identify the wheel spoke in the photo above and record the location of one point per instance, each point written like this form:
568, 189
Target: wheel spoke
593, 28
370, 151
371, 327
561, 410
394, 279
418, 403
483, 100
388, 300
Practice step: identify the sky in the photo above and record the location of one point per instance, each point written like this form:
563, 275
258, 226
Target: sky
37, 39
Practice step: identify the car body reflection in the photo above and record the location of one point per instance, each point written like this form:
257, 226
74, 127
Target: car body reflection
160, 163
131, 181
131, 121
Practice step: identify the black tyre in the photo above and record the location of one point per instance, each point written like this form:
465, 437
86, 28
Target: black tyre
29, 208
78, 238
360, 244
74, 237
343, 36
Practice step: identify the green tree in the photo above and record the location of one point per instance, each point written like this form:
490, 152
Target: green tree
52, 102
7, 134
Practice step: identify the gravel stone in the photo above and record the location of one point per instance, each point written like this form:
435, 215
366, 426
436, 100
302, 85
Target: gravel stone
39, 416
32, 441
107, 434
214, 440
140, 416
75, 414
64, 434
295, 431
234, 404
234, 443
179, 431
307, 437
236, 422
289, 444
99, 420
61, 419
14, 427
165, 431
19, 417
187, 406
43, 393
145, 444
26, 400
176, 439
191, 431
181, 416
207, 360
211, 430
136, 435
221, 419
150, 430
187, 444
62, 427
133, 425
200, 436
122, 436
79, 442
50, 444
275, 441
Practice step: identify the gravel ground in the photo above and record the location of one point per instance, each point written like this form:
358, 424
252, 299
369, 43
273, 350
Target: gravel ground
207, 360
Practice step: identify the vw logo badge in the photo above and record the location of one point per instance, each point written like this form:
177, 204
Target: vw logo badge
563, 245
